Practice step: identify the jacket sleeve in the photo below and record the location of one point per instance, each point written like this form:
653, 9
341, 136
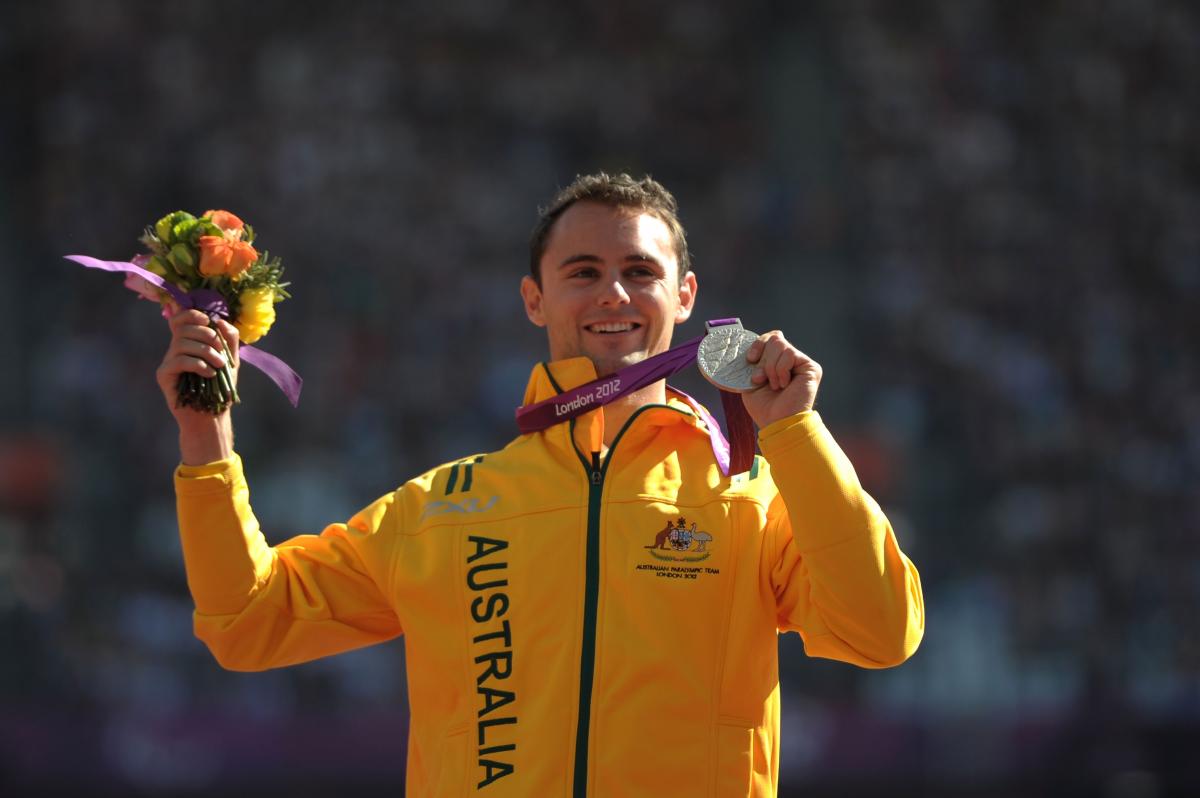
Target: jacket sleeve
261, 606
836, 569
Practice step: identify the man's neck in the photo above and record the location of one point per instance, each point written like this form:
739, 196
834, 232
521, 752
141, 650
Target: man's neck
618, 412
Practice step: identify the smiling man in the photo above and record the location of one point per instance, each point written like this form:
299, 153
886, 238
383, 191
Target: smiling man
596, 586
612, 288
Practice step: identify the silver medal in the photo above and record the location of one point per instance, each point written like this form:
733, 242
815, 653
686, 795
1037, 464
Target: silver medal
722, 357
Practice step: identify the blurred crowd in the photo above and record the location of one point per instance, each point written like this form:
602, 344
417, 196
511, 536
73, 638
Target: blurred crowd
980, 216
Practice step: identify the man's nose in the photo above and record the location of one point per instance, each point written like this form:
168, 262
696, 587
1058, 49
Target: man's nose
612, 292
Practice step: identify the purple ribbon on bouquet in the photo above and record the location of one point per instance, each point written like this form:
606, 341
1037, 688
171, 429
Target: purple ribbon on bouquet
570, 404
213, 304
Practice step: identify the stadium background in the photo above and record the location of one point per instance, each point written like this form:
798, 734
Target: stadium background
979, 216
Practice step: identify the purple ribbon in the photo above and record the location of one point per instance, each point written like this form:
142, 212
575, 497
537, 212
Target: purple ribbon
567, 405
212, 303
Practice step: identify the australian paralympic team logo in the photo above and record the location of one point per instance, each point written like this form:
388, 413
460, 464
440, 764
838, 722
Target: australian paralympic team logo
681, 543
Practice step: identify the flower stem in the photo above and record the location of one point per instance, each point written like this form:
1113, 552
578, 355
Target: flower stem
225, 372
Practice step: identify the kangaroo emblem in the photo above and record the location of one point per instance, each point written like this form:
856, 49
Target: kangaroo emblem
688, 542
678, 536
660, 540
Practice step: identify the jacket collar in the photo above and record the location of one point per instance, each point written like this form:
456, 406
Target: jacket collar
551, 378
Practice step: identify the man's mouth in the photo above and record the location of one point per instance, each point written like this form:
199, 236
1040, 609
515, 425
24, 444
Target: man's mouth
611, 327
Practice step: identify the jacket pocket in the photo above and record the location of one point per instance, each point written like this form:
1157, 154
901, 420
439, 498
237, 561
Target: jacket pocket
735, 758
452, 765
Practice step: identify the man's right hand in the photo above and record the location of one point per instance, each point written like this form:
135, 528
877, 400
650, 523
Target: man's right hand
195, 348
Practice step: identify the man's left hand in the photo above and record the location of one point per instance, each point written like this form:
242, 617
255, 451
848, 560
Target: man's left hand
787, 377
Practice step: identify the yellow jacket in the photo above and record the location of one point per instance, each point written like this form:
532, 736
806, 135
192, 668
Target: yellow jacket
575, 625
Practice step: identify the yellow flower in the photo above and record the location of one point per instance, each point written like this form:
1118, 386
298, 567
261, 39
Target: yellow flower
256, 315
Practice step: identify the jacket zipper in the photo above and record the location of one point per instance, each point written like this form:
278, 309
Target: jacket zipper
591, 596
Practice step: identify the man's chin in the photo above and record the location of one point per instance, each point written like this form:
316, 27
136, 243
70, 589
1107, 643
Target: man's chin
611, 364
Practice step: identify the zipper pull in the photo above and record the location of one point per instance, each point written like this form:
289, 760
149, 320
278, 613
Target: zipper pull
595, 468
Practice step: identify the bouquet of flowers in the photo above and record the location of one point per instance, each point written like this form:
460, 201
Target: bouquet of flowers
216, 252
210, 263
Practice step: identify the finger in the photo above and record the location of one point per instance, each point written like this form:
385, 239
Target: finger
803, 362
755, 351
228, 330
189, 347
786, 365
187, 317
172, 367
231, 336
772, 351
195, 332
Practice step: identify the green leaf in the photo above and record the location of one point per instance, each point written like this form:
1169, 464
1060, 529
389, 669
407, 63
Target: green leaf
164, 227
183, 230
157, 265
150, 241
184, 266
183, 255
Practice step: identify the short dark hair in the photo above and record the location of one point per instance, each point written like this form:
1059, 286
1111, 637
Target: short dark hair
619, 191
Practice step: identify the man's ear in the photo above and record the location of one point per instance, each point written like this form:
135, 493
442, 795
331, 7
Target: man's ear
687, 297
532, 296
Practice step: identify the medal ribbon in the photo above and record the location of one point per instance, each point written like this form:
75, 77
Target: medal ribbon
214, 305
732, 459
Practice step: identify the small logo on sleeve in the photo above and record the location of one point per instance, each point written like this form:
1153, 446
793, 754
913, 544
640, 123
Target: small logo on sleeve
470, 505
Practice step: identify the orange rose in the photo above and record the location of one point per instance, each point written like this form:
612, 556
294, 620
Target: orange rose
219, 255
225, 220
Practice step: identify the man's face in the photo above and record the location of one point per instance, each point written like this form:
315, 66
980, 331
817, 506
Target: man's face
610, 286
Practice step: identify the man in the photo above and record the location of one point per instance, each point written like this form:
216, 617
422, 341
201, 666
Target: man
553, 640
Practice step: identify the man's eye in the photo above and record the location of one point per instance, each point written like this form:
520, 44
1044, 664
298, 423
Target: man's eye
585, 272
640, 271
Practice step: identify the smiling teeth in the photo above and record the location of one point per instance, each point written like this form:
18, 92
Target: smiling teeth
611, 327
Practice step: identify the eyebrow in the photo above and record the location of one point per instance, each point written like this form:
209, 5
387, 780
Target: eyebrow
636, 257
